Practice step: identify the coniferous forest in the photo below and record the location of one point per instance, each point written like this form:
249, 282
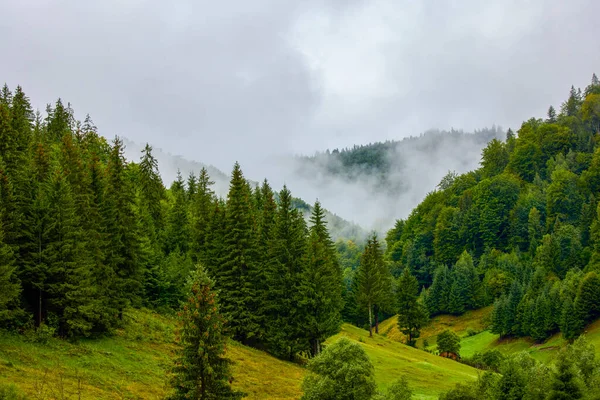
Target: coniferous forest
86, 235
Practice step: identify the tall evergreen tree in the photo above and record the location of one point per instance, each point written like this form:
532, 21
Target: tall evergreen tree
123, 246
321, 284
201, 369
238, 272
412, 314
373, 278
202, 206
284, 312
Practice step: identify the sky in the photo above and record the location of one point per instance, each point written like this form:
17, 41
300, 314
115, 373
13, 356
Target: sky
220, 81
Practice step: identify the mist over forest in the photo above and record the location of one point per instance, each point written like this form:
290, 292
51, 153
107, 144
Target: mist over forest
371, 185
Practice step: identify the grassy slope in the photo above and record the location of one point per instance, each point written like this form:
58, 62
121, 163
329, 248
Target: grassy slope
478, 320
133, 364
427, 374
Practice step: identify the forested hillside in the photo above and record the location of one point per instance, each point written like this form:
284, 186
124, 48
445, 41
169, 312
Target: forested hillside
85, 234
521, 232
388, 165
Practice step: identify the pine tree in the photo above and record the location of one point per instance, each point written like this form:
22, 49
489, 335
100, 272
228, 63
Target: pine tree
565, 385
238, 275
177, 231
321, 284
33, 227
412, 314
284, 312
70, 287
571, 322
58, 122
551, 115
587, 302
123, 245
373, 278
201, 369
202, 205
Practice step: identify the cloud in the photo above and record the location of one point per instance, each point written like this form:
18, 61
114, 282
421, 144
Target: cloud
250, 80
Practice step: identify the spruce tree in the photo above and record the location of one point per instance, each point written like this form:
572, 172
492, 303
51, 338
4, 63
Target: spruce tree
123, 245
587, 302
177, 232
201, 370
71, 292
284, 312
201, 206
412, 314
321, 284
238, 271
373, 278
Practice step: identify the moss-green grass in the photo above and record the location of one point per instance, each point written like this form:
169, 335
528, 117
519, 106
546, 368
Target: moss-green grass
132, 364
484, 340
427, 374
474, 320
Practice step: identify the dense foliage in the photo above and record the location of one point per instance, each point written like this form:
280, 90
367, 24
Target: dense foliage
342, 371
85, 233
574, 374
521, 232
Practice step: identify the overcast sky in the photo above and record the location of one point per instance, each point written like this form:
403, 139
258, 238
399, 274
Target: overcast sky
219, 81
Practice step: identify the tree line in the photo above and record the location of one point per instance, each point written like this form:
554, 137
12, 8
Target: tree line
84, 233
521, 232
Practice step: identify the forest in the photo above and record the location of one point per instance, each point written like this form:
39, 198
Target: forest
522, 232
86, 234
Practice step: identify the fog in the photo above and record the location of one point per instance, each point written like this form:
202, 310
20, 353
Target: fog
261, 81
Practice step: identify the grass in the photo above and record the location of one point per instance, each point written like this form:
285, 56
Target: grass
428, 375
133, 364
475, 320
481, 339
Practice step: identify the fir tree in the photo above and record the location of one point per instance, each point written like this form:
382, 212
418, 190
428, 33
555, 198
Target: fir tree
284, 312
373, 278
321, 284
123, 245
412, 315
201, 206
238, 275
177, 235
201, 369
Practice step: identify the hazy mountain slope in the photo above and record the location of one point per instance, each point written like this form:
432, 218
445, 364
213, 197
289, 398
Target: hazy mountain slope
377, 183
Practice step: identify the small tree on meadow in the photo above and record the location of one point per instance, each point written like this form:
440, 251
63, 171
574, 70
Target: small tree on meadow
341, 371
201, 371
448, 342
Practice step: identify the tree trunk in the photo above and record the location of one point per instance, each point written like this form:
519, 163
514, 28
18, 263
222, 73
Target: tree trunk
39, 319
376, 320
370, 321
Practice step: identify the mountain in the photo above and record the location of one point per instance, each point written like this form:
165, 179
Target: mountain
170, 165
375, 184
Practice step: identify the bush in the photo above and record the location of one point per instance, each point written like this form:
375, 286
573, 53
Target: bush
42, 334
342, 371
471, 332
489, 360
